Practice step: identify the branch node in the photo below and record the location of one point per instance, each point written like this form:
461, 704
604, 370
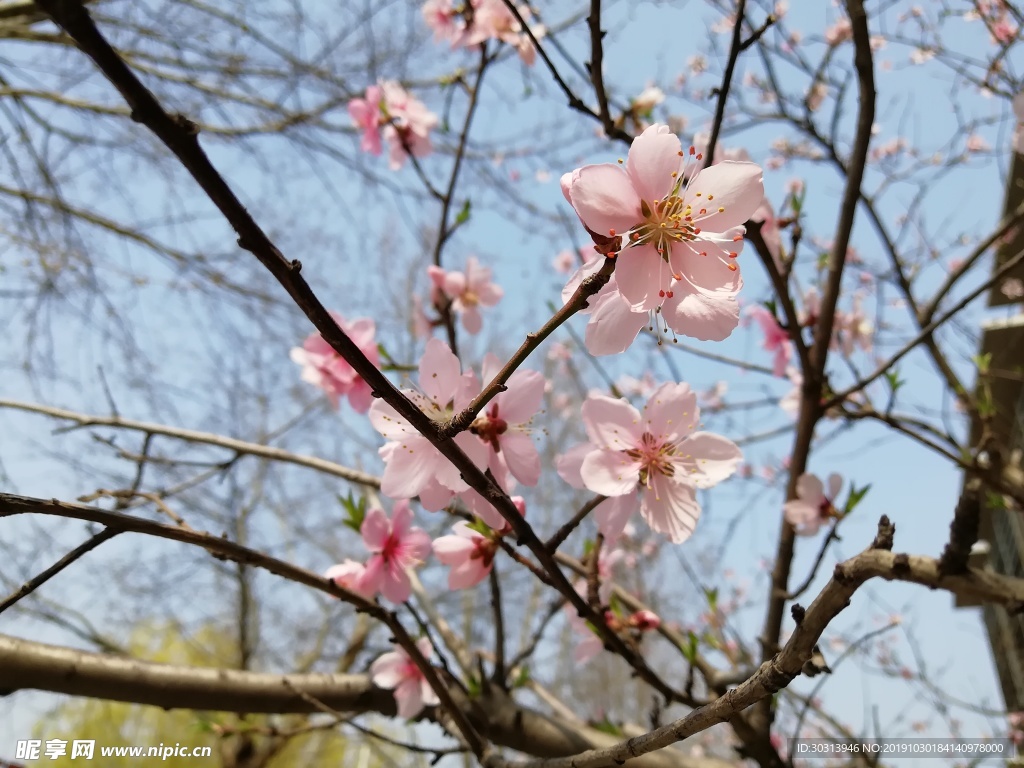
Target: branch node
186, 125
798, 613
296, 265
886, 532
901, 565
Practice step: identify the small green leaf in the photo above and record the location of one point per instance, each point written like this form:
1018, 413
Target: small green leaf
894, 380
712, 596
522, 678
473, 687
463, 215
856, 495
355, 511
607, 726
690, 650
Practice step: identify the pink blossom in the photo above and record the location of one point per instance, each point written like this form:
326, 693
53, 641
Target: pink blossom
689, 232
365, 113
564, 262
712, 399
413, 465
976, 143
790, 402
644, 620
493, 20
468, 291
469, 553
486, 511
813, 506
1012, 288
853, 329
505, 424
839, 32
655, 461
769, 230
395, 547
443, 19
409, 123
349, 575
396, 671
323, 367
776, 339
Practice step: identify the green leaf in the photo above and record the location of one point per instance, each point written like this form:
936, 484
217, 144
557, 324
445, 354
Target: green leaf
473, 686
856, 494
522, 678
355, 511
894, 380
712, 596
984, 362
690, 650
463, 215
607, 726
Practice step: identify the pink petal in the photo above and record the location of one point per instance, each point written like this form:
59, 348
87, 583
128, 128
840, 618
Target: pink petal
452, 550
709, 459
454, 284
523, 398
736, 187
610, 473
439, 372
409, 698
375, 529
605, 199
670, 508
411, 466
653, 163
810, 489
434, 497
386, 420
416, 545
705, 265
472, 321
568, 465
835, 484
641, 274
521, 456
612, 515
613, 326
701, 316
387, 670
611, 423
395, 585
591, 267
401, 518
467, 574
671, 411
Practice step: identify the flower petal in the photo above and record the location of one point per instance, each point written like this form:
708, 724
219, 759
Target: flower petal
604, 197
522, 458
654, 161
671, 412
638, 273
610, 473
612, 515
613, 326
611, 423
709, 459
810, 489
736, 187
670, 508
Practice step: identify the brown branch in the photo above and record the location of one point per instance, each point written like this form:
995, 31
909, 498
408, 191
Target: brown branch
723, 90
36, 582
218, 546
810, 406
239, 447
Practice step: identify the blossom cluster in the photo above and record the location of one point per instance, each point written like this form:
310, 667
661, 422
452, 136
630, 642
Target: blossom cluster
391, 113
474, 22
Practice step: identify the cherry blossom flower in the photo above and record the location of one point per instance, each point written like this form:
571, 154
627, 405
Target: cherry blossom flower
413, 465
468, 291
396, 671
395, 547
813, 506
349, 575
504, 425
486, 511
323, 367
776, 339
365, 113
690, 232
409, 123
790, 403
839, 32
442, 17
655, 461
493, 20
649, 98
853, 329
469, 553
